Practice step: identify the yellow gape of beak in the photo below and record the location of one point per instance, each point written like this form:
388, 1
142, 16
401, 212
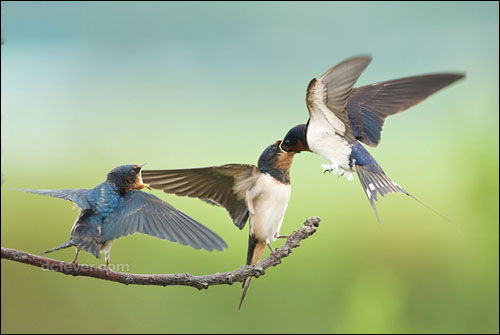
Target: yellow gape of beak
279, 146
140, 183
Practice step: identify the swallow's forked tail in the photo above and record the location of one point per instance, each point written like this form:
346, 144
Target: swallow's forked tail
246, 284
378, 182
62, 246
255, 250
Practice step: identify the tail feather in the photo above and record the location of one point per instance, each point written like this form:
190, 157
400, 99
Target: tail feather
246, 284
374, 180
371, 176
375, 183
62, 246
255, 250
89, 246
431, 209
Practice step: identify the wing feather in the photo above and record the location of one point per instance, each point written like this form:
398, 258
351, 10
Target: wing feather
327, 97
78, 196
221, 185
147, 214
368, 106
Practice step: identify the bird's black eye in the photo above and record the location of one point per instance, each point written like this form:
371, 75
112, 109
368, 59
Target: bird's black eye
132, 172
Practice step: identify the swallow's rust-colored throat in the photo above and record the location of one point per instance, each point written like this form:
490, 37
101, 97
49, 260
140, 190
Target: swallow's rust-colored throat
284, 160
139, 183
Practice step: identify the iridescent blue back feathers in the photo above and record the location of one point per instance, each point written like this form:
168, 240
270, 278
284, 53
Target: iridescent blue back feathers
117, 208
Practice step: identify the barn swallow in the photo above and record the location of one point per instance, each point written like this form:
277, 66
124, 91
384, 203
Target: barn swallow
117, 208
260, 193
342, 117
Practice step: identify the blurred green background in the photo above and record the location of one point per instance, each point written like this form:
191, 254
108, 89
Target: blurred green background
89, 86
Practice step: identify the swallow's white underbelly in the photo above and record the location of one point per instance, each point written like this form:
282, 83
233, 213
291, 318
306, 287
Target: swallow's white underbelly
326, 143
270, 200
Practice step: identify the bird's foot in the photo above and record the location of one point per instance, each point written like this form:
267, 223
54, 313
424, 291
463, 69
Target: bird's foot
75, 260
332, 168
276, 236
268, 243
105, 267
344, 173
336, 170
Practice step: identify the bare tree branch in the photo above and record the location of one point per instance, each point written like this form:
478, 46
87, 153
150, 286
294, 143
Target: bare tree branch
184, 279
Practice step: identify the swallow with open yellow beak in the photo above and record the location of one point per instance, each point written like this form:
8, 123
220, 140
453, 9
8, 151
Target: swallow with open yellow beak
117, 208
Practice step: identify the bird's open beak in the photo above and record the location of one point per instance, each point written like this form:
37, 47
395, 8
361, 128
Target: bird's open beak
280, 147
140, 183
286, 150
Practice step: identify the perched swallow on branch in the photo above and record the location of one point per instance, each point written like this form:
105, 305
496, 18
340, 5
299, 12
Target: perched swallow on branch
117, 208
342, 117
260, 193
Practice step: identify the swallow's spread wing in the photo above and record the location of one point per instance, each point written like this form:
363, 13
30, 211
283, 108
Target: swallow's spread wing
368, 106
144, 213
78, 196
224, 185
327, 97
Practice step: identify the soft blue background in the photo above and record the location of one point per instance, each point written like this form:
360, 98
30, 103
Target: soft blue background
89, 86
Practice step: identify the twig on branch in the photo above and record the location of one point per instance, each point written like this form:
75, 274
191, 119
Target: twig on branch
184, 279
